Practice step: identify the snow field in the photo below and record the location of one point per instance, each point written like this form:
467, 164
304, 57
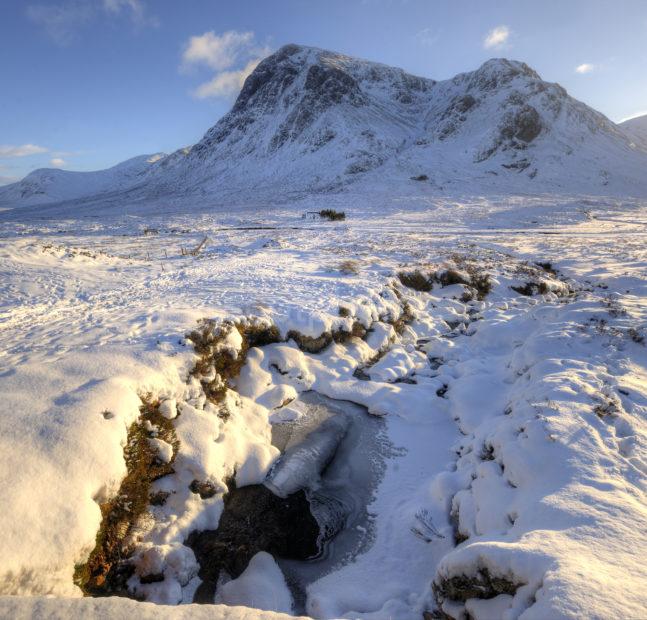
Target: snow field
519, 423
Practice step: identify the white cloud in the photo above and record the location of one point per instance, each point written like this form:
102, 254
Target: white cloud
217, 51
585, 67
497, 37
116, 6
21, 151
225, 84
233, 55
57, 162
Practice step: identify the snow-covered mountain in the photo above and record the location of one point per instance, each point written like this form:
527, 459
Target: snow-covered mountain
309, 120
54, 185
636, 129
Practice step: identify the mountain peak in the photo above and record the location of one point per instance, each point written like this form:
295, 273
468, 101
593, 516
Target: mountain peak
506, 66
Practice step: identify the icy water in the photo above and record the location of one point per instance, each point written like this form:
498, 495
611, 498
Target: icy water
355, 447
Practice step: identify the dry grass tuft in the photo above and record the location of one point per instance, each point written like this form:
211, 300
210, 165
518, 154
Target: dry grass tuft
332, 215
416, 280
348, 267
357, 331
218, 365
531, 288
547, 267
404, 319
448, 277
481, 585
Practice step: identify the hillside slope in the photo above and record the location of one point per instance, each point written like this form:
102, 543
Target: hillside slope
636, 129
53, 185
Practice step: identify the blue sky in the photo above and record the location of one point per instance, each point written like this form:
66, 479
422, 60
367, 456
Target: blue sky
89, 83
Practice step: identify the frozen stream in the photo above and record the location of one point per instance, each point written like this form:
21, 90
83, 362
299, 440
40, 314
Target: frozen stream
355, 447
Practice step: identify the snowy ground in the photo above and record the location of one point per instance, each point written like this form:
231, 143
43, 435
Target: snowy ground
519, 429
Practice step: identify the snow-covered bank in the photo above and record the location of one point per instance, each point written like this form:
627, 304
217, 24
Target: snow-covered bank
41, 608
63, 428
520, 422
548, 490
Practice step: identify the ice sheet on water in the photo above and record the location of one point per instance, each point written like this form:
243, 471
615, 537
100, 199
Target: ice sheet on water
340, 494
299, 467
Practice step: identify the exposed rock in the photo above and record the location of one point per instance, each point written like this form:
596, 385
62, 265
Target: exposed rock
482, 585
253, 520
310, 344
527, 124
204, 488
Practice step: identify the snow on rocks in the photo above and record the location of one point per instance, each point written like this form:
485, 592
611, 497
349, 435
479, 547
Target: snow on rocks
261, 586
163, 449
397, 364
161, 572
168, 408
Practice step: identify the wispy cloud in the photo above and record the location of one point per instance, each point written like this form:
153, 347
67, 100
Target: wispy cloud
233, 55
135, 9
427, 37
57, 162
63, 21
218, 51
23, 150
585, 67
497, 37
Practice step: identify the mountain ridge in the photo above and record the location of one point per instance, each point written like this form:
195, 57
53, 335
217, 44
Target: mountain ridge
311, 121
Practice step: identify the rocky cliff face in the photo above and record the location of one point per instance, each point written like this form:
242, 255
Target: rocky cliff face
309, 120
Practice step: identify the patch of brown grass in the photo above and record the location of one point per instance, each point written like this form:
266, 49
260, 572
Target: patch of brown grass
348, 267
341, 336
404, 319
416, 280
310, 344
208, 342
447, 277
107, 569
482, 585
